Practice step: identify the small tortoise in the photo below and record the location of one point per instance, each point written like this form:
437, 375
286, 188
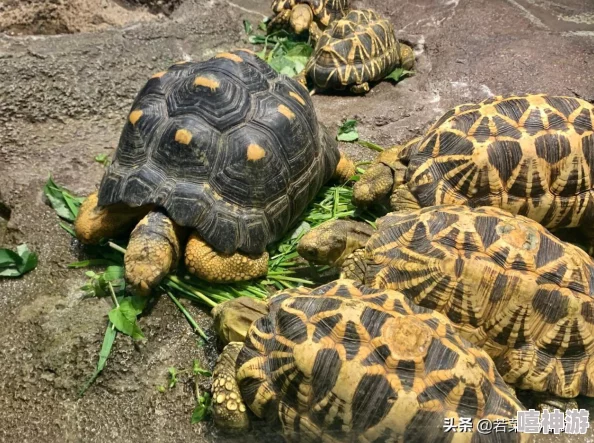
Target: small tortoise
355, 50
226, 147
344, 362
307, 15
532, 155
508, 284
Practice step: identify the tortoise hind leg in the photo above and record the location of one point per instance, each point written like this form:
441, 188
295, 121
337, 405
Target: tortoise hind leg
345, 169
153, 251
229, 410
94, 222
216, 267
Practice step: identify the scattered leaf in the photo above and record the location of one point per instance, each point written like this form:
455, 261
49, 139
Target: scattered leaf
399, 74
172, 377
199, 370
370, 145
103, 159
15, 264
108, 339
348, 131
202, 408
64, 203
124, 316
247, 27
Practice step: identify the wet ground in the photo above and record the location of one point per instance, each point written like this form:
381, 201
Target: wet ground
63, 100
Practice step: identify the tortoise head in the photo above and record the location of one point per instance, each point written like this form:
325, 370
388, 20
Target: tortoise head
333, 241
301, 18
233, 318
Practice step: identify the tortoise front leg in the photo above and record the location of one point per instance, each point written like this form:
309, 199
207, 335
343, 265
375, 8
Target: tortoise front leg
407, 57
153, 251
278, 21
229, 410
360, 88
374, 185
94, 222
403, 200
217, 267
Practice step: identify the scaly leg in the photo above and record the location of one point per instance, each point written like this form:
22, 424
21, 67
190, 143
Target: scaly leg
97, 222
360, 88
229, 410
403, 200
217, 267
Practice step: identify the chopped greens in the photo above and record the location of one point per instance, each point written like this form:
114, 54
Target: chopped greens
15, 264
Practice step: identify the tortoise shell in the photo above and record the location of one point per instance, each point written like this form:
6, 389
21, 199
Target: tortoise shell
324, 11
227, 146
531, 155
360, 47
508, 284
348, 363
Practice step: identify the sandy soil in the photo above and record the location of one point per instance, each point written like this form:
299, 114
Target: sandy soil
63, 101
20, 17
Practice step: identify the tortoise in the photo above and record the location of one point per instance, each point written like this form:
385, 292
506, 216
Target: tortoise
345, 362
307, 15
226, 148
532, 155
355, 50
507, 283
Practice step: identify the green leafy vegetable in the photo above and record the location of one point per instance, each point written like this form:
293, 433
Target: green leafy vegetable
202, 409
15, 264
370, 145
199, 370
285, 52
399, 74
247, 27
108, 339
103, 159
64, 203
172, 377
124, 316
98, 283
348, 131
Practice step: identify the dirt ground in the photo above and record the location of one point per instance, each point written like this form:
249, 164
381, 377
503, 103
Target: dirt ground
63, 99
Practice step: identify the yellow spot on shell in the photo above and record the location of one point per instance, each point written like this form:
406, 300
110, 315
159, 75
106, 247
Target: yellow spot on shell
297, 97
159, 74
134, 116
206, 82
183, 136
255, 152
228, 55
181, 62
286, 112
